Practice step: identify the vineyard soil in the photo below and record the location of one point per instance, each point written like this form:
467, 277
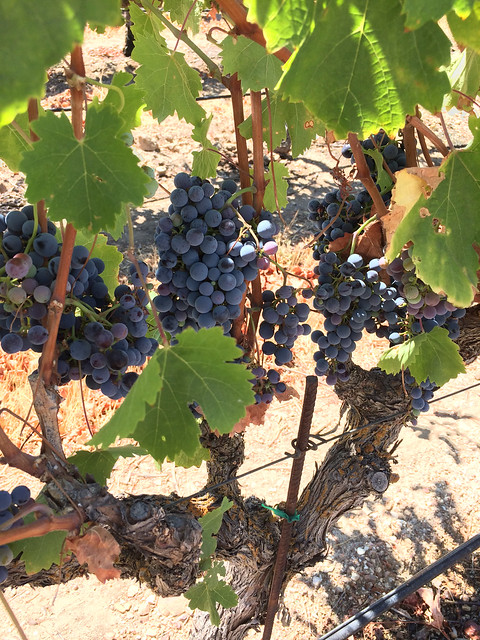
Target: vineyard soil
430, 510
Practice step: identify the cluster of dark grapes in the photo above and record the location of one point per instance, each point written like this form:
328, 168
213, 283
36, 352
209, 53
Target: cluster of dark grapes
348, 295
210, 246
284, 319
98, 337
420, 394
337, 214
265, 384
393, 153
10, 504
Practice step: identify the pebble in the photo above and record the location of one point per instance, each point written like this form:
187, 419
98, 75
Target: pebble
316, 581
161, 171
146, 144
361, 551
144, 609
122, 607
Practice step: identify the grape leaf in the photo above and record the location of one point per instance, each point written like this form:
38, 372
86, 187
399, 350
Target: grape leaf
169, 84
211, 523
205, 162
12, 144
285, 23
204, 595
99, 463
270, 202
178, 12
199, 368
418, 13
464, 74
110, 255
60, 23
256, 68
40, 553
86, 181
363, 70
131, 109
429, 355
466, 31
301, 125
444, 227
146, 23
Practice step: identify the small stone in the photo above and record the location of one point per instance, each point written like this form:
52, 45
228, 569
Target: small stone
361, 551
147, 144
151, 599
151, 633
110, 635
354, 575
122, 607
316, 581
144, 609
133, 589
161, 171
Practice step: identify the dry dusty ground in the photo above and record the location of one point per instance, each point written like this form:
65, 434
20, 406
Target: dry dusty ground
432, 508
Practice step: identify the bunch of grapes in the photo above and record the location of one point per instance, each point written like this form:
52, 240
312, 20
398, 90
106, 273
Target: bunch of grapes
210, 247
417, 306
348, 295
393, 152
98, 337
284, 319
337, 215
10, 504
265, 384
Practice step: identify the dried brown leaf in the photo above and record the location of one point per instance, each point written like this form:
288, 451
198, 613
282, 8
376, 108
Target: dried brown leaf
99, 549
256, 412
370, 243
472, 630
432, 600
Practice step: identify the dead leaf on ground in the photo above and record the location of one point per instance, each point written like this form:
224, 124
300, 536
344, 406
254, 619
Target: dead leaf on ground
472, 630
432, 600
99, 549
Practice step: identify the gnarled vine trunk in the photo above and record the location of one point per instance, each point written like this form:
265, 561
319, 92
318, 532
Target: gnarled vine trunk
160, 545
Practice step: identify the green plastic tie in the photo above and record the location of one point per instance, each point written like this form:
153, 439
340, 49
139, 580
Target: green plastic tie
282, 514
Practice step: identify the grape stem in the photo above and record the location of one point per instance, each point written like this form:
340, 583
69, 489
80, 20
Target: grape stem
251, 189
107, 86
181, 35
286, 273
359, 231
363, 174
182, 28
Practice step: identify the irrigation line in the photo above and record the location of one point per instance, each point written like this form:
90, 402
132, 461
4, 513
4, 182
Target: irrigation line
389, 600
311, 445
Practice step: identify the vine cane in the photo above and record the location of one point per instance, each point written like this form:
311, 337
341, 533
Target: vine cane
301, 447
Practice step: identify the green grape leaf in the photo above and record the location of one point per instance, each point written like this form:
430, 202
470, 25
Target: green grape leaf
285, 23
211, 590
146, 23
110, 255
418, 13
131, 109
60, 23
301, 125
40, 553
86, 181
466, 31
178, 12
429, 355
383, 179
99, 463
464, 74
156, 412
256, 68
169, 84
360, 69
12, 144
205, 162
211, 523
445, 226
270, 202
